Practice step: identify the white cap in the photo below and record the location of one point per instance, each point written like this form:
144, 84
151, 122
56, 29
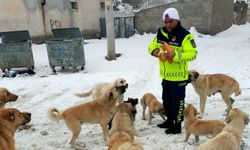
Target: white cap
170, 13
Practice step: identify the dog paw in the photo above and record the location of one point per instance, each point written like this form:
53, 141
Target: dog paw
80, 145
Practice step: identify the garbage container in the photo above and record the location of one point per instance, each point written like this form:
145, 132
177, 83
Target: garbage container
15, 50
66, 49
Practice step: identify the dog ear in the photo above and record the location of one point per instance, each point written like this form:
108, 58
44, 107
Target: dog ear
10, 116
135, 102
228, 118
110, 95
195, 112
246, 119
185, 112
196, 74
161, 111
3, 96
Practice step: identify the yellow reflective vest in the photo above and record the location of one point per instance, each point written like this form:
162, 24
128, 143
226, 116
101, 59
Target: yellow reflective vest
185, 50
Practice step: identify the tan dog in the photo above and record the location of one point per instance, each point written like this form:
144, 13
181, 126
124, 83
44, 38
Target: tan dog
10, 119
121, 135
6, 96
154, 106
100, 88
209, 84
96, 111
231, 135
199, 127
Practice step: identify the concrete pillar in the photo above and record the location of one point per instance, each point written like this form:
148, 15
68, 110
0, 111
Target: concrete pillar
110, 30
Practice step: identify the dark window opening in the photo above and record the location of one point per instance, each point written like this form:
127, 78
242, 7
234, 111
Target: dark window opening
73, 5
102, 5
43, 2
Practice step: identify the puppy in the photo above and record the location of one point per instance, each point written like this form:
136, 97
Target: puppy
154, 106
11, 118
121, 135
133, 102
209, 84
199, 127
96, 111
6, 96
230, 137
100, 88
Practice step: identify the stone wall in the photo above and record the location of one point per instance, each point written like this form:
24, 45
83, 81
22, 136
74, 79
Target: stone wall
207, 16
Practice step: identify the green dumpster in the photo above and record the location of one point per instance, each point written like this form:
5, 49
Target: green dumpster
66, 49
15, 50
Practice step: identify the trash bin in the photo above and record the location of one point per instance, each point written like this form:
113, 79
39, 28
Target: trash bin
66, 49
15, 50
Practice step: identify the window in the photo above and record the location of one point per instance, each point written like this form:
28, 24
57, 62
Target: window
73, 5
102, 5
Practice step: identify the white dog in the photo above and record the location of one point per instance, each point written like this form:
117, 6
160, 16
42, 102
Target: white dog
100, 88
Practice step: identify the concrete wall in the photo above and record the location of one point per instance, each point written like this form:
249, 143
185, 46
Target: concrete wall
207, 16
221, 18
133, 3
58, 15
21, 15
40, 19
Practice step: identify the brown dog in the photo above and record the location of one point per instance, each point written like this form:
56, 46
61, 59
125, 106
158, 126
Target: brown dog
209, 84
197, 126
154, 106
6, 96
10, 119
121, 135
96, 111
230, 137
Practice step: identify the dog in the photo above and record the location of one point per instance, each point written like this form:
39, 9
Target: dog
121, 135
100, 88
199, 127
230, 137
209, 84
154, 107
6, 96
97, 111
133, 102
11, 118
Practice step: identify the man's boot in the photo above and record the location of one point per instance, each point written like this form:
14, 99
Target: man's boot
166, 124
175, 129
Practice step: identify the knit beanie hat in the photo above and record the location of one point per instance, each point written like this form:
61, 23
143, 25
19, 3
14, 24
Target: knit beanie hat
170, 13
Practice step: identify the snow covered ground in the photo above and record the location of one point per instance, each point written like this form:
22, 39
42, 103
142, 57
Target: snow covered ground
227, 52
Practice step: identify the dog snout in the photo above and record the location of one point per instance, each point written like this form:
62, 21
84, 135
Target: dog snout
27, 117
15, 97
126, 85
121, 89
12, 97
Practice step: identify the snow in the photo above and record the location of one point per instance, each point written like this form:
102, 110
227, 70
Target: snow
227, 52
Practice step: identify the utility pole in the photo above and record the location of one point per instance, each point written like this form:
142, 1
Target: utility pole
109, 13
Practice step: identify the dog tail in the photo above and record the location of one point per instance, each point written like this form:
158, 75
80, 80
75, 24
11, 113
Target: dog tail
54, 114
237, 90
84, 94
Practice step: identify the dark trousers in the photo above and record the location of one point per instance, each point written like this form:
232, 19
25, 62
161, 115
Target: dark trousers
173, 95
